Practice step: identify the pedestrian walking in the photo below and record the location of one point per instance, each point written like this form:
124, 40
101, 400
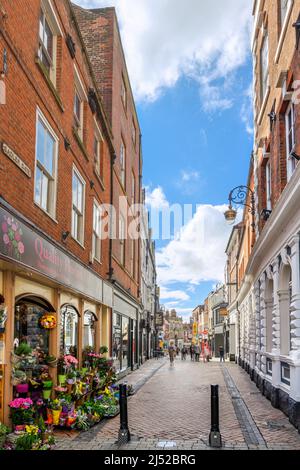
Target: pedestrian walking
192, 352
197, 353
172, 354
221, 352
183, 353
206, 354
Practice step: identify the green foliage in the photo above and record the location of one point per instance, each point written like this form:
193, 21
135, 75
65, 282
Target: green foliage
41, 424
3, 429
27, 442
23, 350
103, 350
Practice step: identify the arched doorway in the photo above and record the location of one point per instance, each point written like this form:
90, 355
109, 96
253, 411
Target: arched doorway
69, 330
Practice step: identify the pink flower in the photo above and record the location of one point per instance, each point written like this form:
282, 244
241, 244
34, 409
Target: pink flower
9, 221
23, 403
14, 227
17, 237
6, 239
21, 248
4, 227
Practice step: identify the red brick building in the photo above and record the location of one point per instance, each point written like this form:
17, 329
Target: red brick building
55, 173
100, 32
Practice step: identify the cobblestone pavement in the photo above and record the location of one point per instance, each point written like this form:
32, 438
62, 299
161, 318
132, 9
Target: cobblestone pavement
171, 410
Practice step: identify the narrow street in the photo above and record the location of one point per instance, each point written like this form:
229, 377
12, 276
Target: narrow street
172, 411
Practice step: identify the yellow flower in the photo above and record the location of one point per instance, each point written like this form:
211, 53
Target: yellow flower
31, 429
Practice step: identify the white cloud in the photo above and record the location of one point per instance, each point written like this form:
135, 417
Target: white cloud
198, 253
166, 39
156, 198
166, 294
189, 176
247, 110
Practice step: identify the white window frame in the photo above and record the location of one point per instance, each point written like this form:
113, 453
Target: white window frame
53, 186
133, 192
269, 186
124, 92
133, 132
291, 163
99, 156
122, 236
123, 163
52, 20
96, 236
79, 89
74, 235
264, 72
285, 380
283, 29
133, 257
269, 367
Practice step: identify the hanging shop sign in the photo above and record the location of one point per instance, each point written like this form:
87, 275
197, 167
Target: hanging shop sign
21, 244
159, 319
16, 159
223, 312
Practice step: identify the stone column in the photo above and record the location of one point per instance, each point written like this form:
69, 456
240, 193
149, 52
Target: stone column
263, 325
80, 331
276, 312
98, 328
257, 323
295, 304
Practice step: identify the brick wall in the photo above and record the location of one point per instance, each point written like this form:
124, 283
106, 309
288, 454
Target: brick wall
27, 89
100, 31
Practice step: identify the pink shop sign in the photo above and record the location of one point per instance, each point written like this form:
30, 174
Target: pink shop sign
20, 243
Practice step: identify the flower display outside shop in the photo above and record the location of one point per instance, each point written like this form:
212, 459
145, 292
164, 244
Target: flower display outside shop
80, 400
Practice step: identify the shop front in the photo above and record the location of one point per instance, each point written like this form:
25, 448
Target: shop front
124, 334
54, 305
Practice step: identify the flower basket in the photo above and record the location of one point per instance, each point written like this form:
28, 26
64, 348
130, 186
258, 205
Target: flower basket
48, 322
18, 377
15, 360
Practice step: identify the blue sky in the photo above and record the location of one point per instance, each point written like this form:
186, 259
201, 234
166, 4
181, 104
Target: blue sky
190, 69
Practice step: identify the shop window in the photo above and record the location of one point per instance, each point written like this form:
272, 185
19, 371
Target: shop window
69, 331
89, 330
125, 342
116, 342
28, 327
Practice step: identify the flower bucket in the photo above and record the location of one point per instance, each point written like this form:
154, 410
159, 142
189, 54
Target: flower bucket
49, 416
70, 421
19, 428
22, 388
47, 384
56, 415
47, 394
62, 379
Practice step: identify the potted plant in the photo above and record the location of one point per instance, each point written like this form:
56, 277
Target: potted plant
22, 388
22, 411
47, 385
4, 430
51, 361
56, 411
61, 370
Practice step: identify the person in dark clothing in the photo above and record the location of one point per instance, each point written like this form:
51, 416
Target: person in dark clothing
192, 352
221, 352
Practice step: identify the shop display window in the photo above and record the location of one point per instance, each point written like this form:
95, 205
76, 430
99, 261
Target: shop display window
28, 328
69, 331
89, 330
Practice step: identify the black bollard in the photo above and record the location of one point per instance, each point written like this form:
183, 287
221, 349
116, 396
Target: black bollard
124, 434
215, 439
